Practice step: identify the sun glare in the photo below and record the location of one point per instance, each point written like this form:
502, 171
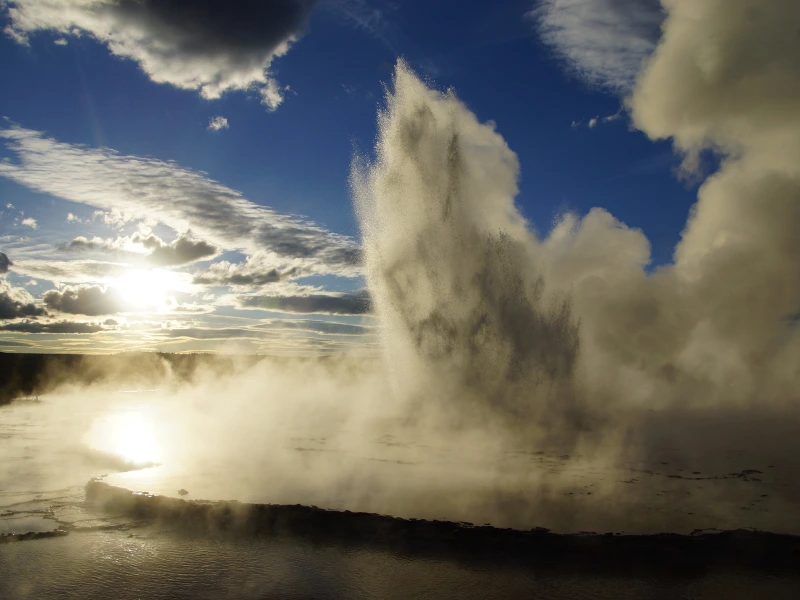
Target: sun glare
146, 289
129, 435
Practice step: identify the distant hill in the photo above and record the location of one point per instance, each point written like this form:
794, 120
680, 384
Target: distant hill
32, 374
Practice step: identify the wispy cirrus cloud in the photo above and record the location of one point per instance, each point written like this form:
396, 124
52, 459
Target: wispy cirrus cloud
205, 45
180, 198
217, 333
70, 271
321, 327
369, 16
268, 330
603, 41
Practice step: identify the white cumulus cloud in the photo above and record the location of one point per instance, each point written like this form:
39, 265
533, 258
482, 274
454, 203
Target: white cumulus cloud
218, 123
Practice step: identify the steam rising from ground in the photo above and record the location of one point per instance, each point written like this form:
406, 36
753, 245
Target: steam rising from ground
495, 339
571, 333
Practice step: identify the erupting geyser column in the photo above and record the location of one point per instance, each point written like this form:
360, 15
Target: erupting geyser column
451, 265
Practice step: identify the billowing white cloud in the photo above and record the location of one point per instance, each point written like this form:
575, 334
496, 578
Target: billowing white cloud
138, 187
204, 45
30, 222
603, 41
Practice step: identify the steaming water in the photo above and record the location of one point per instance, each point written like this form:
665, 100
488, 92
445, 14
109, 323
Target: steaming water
48, 457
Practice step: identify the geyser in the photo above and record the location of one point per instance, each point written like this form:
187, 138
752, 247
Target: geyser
469, 324
487, 327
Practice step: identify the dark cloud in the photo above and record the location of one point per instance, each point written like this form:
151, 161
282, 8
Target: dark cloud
13, 309
252, 273
89, 300
14, 343
305, 242
81, 244
211, 27
5, 263
28, 326
206, 45
183, 250
354, 303
243, 279
16, 303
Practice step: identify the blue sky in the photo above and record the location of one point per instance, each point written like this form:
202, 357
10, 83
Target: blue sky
89, 114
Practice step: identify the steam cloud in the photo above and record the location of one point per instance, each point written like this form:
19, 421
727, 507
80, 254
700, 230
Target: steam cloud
465, 311
572, 331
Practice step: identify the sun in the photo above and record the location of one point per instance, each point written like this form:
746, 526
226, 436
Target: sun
143, 289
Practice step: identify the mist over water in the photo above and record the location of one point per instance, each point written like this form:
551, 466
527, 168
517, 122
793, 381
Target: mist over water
524, 381
550, 381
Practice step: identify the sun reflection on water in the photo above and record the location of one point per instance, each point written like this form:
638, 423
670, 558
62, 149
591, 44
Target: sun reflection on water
131, 435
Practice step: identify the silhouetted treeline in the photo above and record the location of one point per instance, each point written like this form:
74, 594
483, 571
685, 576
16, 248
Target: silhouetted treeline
33, 374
